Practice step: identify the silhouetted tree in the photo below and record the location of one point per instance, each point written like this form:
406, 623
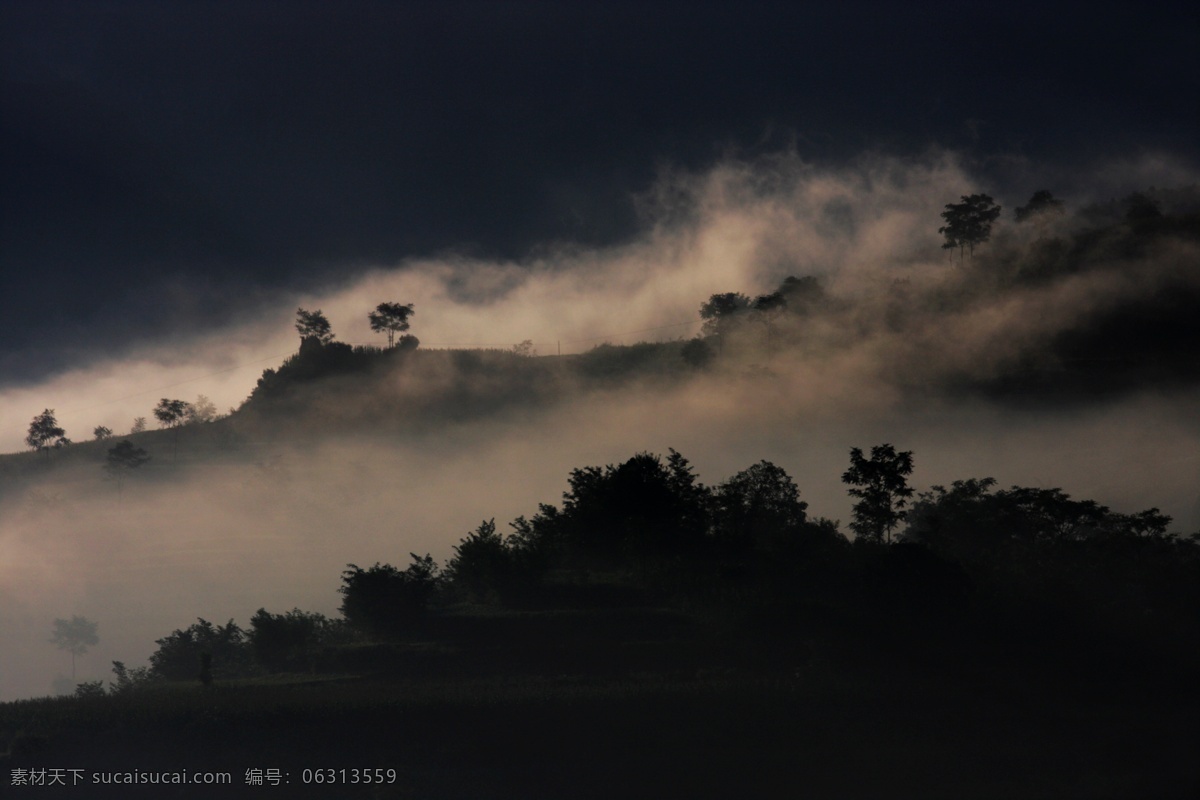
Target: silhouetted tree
483, 565
1039, 551
391, 317
1042, 202
881, 485
44, 431
122, 459
382, 600
767, 309
180, 655
313, 325
172, 414
139, 425
721, 311
641, 507
130, 679
286, 641
75, 636
101, 433
90, 689
758, 506
969, 223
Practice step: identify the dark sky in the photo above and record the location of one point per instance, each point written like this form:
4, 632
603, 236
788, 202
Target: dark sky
165, 164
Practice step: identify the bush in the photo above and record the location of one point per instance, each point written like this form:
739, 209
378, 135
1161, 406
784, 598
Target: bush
180, 655
129, 680
382, 600
90, 689
481, 565
288, 641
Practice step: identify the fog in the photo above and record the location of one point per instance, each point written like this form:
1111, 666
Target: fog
271, 523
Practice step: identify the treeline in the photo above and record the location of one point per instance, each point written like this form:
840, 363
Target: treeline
972, 574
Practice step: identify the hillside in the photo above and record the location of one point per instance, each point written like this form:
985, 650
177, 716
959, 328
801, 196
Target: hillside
559, 604
1057, 309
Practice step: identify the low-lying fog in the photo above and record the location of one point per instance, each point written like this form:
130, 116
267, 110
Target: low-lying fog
220, 534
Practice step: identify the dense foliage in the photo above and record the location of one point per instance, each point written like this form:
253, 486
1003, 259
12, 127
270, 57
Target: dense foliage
182, 654
382, 599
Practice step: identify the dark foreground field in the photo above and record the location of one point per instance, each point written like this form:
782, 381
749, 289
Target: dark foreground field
477, 723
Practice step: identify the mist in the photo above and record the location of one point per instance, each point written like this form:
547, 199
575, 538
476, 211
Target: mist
271, 521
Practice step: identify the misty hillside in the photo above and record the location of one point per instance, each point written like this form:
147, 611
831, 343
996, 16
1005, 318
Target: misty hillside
1059, 353
756, 585
1054, 310
1057, 308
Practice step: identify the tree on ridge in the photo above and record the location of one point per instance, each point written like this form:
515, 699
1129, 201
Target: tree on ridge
313, 325
392, 318
44, 430
172, 414
969, 223
881, 485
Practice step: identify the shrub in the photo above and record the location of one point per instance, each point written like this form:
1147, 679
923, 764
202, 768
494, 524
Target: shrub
287, 641
180, 655
382, 600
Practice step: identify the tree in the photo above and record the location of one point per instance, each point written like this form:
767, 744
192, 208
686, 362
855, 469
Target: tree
759, 506
171, 414
881, 486
44, 431
482, 565
139, 425
637, 509
1041, 203
286, 641
767, 309
390, 317
969, 223
720, 311
203, 410
123, 459
130, 679
313, 325
380, 600
75, 635
101, 433
181, 656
